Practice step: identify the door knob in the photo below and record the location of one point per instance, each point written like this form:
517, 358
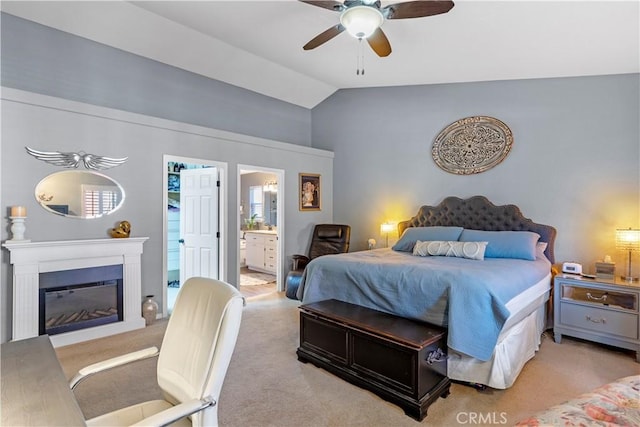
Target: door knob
181, 241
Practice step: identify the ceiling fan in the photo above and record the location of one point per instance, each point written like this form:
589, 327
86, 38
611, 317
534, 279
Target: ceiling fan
363, 18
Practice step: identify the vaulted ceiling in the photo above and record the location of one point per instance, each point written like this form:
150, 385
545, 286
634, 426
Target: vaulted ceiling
258, 44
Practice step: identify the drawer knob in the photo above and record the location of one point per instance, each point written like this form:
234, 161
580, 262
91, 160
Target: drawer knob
602, 298
601, 320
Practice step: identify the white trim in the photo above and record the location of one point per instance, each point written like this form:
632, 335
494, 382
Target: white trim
45, 101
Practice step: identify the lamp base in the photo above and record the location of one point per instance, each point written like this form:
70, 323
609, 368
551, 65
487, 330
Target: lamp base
629, 278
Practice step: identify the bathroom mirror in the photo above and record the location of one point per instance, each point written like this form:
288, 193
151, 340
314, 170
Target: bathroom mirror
79, 194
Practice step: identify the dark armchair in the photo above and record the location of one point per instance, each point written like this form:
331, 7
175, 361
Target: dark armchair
327, 239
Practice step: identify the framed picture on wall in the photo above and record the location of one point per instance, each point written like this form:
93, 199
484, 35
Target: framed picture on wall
309, 192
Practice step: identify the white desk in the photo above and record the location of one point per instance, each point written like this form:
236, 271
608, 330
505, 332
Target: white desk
35, 391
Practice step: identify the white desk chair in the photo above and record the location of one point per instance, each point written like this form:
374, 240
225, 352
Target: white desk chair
193, 360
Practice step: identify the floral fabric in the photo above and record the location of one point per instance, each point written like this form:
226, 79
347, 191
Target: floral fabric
613, 404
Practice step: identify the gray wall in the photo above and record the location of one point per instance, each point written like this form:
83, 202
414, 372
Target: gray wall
40, 59
106, 101
575, 163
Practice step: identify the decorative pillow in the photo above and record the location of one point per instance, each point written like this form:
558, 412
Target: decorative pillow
540, 248
470, 250
412, 234
504, 244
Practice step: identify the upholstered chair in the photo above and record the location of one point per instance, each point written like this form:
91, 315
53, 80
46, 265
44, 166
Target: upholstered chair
192, 362
326, 239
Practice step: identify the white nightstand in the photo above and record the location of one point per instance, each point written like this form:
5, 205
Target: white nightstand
604, 311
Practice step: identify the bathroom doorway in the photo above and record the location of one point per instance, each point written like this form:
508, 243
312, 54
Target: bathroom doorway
260, 194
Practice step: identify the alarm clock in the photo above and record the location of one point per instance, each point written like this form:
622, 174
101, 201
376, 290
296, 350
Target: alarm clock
571, 268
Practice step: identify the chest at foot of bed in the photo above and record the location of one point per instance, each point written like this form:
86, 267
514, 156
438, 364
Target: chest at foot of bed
400, 360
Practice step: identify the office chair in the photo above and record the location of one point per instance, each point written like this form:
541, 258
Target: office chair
192, 362
327, 239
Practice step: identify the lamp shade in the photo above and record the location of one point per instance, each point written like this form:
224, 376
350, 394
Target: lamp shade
387, 227
361, 21
628, 239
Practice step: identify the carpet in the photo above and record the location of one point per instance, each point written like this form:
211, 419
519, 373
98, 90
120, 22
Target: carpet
266, 386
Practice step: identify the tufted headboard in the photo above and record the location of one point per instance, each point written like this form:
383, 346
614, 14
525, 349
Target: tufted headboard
478, 213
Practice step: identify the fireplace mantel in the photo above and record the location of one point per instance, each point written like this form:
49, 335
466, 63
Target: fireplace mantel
29, 259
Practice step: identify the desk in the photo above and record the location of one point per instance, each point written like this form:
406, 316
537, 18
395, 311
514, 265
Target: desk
35, 391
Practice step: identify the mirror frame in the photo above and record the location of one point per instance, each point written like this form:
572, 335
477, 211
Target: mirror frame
43, 196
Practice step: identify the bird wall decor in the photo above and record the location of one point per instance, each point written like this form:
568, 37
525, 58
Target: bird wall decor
72, 160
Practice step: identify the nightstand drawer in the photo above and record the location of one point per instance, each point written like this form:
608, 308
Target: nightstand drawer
600, 297
599, 320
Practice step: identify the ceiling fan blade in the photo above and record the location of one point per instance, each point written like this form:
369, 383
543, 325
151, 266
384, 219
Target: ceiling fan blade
324, 37
416, 9
379, 43
329, 4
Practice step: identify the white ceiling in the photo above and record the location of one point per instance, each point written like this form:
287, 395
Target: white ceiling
258, 44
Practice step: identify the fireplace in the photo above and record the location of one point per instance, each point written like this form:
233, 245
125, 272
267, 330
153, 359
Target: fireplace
70, 300
41, 265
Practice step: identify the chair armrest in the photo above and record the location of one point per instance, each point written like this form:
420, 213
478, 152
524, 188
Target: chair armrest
177, 412
299, 262
114, 362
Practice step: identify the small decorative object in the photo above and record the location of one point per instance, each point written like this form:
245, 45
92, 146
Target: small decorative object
122, 230
628, 240
18, 214
149, 310
371, 243
605, 270
309, 192
72, 160
472, 145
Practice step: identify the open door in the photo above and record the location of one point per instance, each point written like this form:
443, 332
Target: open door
199, 223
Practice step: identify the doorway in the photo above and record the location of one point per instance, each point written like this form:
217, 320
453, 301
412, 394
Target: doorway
260, 193
194, 212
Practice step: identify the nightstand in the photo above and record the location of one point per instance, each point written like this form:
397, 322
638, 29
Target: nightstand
599, 310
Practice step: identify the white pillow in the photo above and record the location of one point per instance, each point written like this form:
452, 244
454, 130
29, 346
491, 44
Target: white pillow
470, 250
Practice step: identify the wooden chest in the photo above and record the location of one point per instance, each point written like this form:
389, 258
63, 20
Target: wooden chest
400, 360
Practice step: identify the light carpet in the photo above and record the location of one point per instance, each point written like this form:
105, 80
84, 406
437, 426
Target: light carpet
267, 386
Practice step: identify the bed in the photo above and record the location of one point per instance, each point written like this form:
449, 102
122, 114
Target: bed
493, 303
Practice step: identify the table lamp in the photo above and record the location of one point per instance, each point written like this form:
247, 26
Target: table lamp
385, 229
628, 240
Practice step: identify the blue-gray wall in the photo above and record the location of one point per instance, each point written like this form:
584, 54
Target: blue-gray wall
575, 162
108, 102
40, 59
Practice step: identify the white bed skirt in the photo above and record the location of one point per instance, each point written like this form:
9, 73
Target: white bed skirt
515, 347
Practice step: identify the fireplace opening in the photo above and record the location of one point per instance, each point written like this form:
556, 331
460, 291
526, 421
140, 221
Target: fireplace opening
70, 300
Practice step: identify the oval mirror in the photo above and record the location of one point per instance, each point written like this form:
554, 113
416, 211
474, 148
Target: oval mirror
79, 194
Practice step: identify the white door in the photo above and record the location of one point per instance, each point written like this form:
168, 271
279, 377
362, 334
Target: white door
198, 223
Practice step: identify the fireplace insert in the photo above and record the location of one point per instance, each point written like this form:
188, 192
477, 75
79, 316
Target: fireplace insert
70, 300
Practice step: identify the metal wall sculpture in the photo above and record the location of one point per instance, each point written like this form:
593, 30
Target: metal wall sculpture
472, 145
72, 160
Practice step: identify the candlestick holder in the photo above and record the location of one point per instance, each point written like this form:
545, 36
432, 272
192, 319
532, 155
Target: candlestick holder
18, 228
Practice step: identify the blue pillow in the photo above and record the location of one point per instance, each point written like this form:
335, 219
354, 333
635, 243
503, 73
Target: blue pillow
504, 244
412, 234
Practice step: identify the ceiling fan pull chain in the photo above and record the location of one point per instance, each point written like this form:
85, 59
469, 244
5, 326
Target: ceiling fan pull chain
360, 58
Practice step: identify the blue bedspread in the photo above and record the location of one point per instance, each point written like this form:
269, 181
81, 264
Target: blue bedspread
474, 292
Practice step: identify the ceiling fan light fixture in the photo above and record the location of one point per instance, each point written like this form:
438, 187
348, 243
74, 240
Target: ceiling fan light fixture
361, 21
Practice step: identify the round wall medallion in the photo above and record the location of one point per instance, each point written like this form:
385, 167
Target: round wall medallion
472, 145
